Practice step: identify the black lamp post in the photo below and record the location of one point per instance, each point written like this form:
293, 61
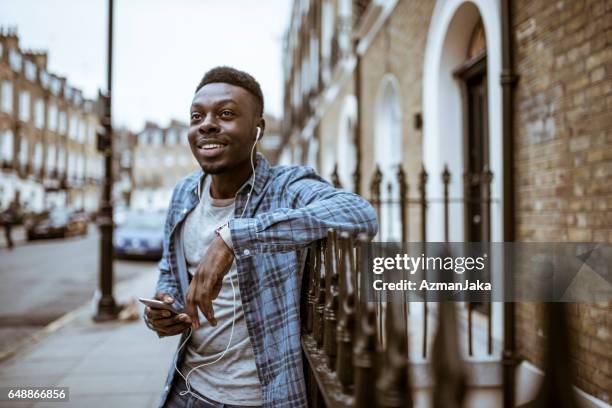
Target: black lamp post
107, 307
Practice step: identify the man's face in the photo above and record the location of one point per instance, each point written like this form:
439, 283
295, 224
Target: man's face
222, 127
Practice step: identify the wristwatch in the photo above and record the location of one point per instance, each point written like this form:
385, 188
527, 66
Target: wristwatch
223, 231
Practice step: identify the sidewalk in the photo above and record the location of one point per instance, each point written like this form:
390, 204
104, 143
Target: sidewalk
118, 364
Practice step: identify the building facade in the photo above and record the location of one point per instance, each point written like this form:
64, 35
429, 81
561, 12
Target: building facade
47, 134
512, 98
161, 158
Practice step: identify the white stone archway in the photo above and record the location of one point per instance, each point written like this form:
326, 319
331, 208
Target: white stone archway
449, 33
388, 154
447, 40
346, 151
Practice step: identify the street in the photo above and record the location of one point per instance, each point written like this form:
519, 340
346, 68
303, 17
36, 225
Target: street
43, 280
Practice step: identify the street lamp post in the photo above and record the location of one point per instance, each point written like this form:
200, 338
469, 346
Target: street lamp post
107, 307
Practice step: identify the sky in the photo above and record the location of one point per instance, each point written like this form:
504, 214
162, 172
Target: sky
162, 48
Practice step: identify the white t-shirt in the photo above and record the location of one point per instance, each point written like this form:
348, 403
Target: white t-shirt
232, 380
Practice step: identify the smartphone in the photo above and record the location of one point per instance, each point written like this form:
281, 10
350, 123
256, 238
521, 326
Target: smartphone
157, 304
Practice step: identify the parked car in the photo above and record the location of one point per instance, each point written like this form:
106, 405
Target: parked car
140, 235
57, 223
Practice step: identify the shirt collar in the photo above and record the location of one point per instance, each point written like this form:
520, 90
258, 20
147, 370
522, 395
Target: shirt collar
262, 170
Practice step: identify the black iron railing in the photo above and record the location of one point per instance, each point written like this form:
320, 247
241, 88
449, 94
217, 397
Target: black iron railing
365, 354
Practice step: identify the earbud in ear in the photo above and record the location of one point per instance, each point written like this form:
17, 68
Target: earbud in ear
258, 134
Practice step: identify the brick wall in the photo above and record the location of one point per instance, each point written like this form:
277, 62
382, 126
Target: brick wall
399, 49
563, 152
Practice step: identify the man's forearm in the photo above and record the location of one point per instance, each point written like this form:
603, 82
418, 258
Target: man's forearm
289, 229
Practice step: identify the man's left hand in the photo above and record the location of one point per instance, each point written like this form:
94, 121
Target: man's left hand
206, 283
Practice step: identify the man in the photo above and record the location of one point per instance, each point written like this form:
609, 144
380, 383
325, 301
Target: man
234, 249
11, 216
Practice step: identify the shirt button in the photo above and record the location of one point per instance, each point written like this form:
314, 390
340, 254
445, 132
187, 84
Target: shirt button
246, 252
167, 388
184, 210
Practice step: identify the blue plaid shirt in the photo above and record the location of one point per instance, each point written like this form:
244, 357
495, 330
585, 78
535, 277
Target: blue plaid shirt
290, 208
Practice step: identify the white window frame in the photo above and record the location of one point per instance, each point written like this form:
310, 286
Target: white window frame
39, 113
7, 96
24, 105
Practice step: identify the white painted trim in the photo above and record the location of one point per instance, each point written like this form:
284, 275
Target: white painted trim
443, 120
366, 40
346, 151
388, 152
528, 381
433, 137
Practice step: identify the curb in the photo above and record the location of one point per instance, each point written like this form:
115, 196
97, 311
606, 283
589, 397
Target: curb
57, 324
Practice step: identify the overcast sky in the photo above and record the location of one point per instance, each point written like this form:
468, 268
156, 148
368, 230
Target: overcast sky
161, 50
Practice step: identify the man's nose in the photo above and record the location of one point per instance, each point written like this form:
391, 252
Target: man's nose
209, 126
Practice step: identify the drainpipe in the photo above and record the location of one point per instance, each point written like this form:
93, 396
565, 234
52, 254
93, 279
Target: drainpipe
357, 135
508, 82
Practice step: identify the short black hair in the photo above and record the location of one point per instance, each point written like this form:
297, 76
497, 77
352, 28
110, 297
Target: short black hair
233, 76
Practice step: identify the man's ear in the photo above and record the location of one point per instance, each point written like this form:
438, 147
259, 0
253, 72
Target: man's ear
261, 123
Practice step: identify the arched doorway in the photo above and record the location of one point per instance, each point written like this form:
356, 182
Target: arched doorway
472, 76
346, 151
388, 156
462, 127
445, 123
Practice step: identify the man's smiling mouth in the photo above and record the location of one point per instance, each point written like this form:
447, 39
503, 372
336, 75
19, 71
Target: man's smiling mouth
209, 148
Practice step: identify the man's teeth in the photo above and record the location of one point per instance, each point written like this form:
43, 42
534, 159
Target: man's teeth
211, 146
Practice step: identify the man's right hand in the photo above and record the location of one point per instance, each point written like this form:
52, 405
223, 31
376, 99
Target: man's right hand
165, 322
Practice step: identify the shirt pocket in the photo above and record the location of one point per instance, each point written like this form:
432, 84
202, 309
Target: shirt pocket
275, 269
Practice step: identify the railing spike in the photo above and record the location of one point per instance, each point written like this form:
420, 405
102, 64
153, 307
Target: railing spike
331, 300
346, 323
393, 385
448, 367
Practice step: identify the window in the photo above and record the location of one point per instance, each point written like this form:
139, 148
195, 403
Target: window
24, 106
44, 79
100, 166
157, 138
183, 137
50, 157
7, 96
71, 166
82, 131
55, 86
23, 151
52, 120
30, 71
126, 158
38, 157
169, 159
7, 145
73, 126
39, 117
142, 138
80, 166
62, 123
91, 131
15, 60
61, 160
171, 137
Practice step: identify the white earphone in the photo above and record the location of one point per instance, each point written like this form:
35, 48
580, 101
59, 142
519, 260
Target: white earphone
186, 378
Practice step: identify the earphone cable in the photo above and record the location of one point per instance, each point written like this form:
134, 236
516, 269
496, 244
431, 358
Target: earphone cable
186, 378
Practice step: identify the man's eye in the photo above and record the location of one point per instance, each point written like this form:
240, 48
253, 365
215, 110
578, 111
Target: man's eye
195, 116
226, 114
